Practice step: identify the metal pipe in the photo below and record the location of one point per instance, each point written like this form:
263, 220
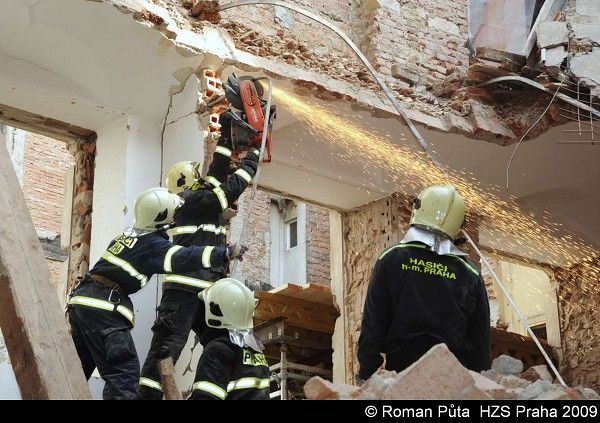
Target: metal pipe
522, 318
388, 92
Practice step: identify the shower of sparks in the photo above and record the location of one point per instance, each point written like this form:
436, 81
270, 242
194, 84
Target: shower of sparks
407, 170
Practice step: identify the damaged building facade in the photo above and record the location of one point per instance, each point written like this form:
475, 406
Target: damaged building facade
482, 104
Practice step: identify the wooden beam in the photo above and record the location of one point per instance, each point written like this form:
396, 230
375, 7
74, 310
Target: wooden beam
300, 313
167, 376
499, 56
44, 126
41, 350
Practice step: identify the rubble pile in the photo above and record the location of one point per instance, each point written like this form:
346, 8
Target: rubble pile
439, 375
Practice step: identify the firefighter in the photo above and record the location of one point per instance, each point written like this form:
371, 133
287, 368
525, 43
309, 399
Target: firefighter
201, 221
232, 365
424, 291
100, 310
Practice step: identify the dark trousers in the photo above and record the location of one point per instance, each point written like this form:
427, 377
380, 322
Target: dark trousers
178, 313
408, 353
103, 340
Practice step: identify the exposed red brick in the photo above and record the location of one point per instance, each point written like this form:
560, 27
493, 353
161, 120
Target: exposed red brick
151, 17
206, 10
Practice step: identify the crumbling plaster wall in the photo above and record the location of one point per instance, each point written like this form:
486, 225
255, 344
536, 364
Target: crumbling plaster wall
579, 312
418, 41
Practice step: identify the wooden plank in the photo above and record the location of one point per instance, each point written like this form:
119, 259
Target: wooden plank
288, 289
42, 353
316, 293
305, 322
310, 292
309, 369
43, 125
167, 376
499, 56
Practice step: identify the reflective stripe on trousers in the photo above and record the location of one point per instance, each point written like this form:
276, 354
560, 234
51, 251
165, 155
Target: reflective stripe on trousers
102, 305
149, 383
211, 388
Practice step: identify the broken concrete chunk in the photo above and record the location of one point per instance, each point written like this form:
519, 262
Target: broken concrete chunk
507, 365
588, 393
560, 393
377, 384
536, 373
436, 375
320, 389
492, 375
583, 30
513, 382
536, 389
587, 66
401, 72
487, 124
554, 56
552, 34
588, 7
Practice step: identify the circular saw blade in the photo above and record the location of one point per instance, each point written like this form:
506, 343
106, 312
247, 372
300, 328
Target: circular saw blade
232, 89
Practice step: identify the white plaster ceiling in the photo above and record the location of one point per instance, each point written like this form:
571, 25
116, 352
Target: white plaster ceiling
73, 54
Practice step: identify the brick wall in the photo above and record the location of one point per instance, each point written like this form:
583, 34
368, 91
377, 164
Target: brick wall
317, 246
366, 232
416, 40
268, 20
45, 163
579, 313
426, 37
255, 269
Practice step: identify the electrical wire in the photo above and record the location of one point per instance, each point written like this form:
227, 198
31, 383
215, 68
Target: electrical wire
512, 156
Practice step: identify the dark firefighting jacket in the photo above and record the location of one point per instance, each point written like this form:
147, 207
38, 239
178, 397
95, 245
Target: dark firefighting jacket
130, 261
227, 371
200, 220
414, 293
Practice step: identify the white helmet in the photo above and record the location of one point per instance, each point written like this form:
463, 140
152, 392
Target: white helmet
439, 208
182, 176
228, 304
154, 208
